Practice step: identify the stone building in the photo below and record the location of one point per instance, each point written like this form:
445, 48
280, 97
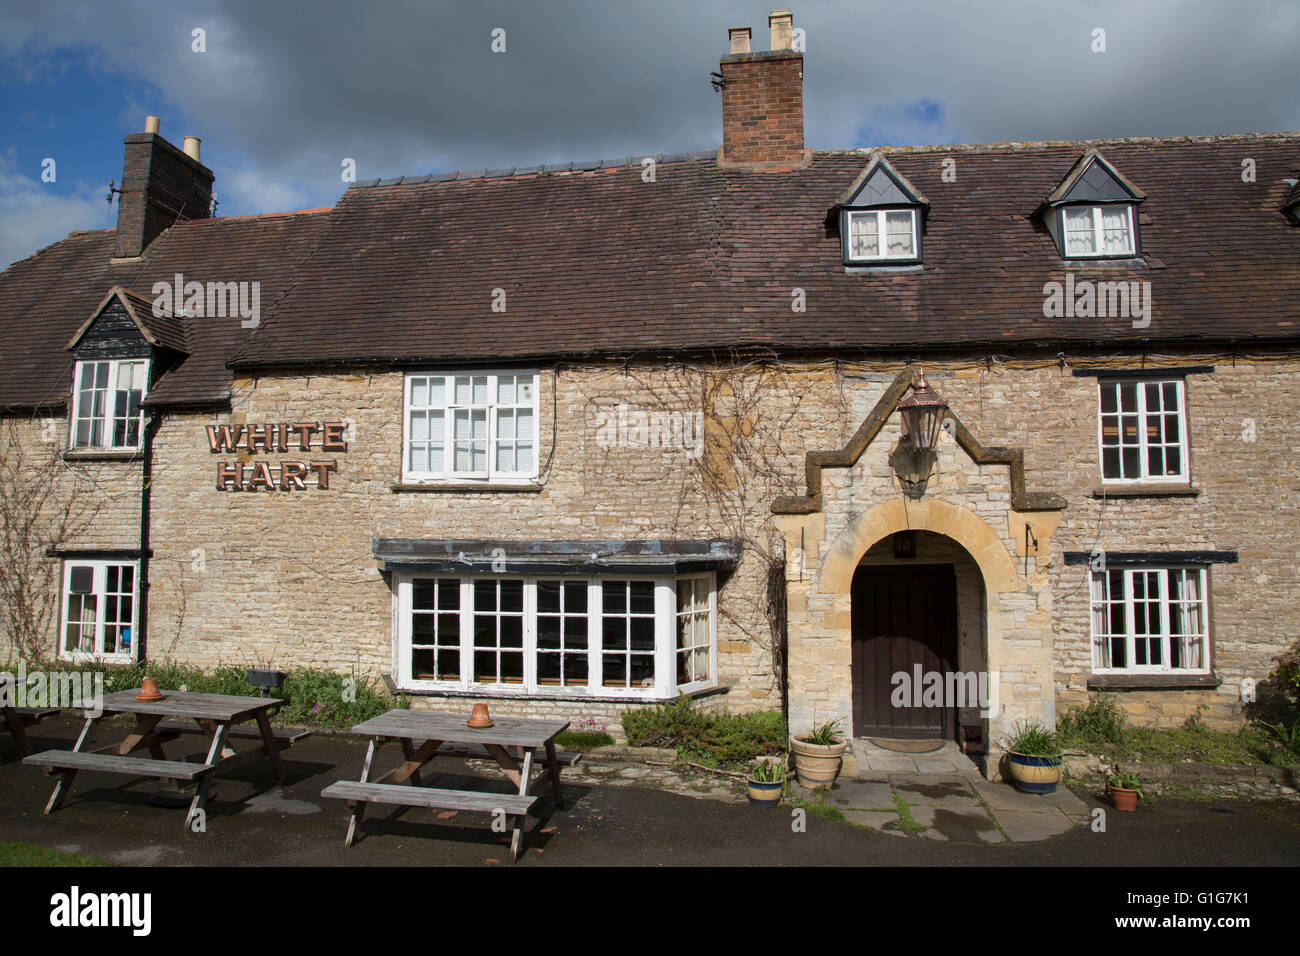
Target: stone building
587, 437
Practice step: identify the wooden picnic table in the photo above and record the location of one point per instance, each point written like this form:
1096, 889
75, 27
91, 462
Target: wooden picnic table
17, 719
215, 716
513, 742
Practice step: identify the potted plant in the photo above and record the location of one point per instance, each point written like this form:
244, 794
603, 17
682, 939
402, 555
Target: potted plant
766, 782
1033, 758
818, 753
1124, 789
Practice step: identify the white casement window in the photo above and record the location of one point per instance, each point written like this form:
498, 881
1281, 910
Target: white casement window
1150, 621
882, 234
475, 426
1098, 231
1142, 431
99, 610
560, 636
106, 403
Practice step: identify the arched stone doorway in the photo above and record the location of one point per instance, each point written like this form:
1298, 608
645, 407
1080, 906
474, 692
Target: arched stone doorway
919, 631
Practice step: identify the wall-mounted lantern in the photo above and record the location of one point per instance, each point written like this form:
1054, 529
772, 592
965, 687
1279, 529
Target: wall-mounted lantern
923, 412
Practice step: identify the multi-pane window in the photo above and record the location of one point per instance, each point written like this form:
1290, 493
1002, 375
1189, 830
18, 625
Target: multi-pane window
106, 403
563, 647
1095, 231
627, 635
472, 426
498, 631
1143, 432
1149, 620
99, 608
435, 629
694, 645
566, 635
882, 234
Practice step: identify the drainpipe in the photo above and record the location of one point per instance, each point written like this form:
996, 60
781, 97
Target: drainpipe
146, 483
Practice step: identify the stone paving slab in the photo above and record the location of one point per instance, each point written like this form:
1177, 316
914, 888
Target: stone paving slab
862, 795
970, 825
950, 790
1070, 804
1003, 796
876, 820
1027, 826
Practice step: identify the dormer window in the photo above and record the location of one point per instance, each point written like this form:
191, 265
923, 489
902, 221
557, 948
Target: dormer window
882, 234
1092, 231
106, 406
880, 217
1092, 214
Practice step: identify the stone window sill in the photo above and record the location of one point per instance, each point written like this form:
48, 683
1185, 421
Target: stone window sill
1152, 681
1147, 491
102, 454
461, 487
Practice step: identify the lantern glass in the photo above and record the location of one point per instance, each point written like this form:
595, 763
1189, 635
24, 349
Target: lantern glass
923, 413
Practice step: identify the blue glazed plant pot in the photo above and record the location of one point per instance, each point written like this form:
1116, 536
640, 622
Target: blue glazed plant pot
1034, 774
765, 794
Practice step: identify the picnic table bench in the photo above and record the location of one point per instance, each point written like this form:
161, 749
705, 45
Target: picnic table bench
424, 736
18, 719
216, 716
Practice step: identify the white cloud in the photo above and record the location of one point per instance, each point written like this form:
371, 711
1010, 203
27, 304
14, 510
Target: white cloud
34, 215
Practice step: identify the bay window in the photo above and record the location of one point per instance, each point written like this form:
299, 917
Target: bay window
1149, 620
106, 403
556, 635
470, 427
99, 609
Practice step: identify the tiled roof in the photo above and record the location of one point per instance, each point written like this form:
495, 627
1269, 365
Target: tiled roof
45, 298
594, 260
709, 258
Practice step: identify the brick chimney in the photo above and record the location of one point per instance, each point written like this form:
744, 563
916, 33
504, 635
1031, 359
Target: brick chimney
161, 185
762, 99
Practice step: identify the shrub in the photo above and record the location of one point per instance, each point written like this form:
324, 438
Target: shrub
716, 737
1098, 722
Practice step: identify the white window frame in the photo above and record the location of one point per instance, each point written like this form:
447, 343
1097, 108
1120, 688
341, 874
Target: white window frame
1144, 476
491, 473
665, 629
882, 241
1099, 232
108, 417
99, 570
1167, 609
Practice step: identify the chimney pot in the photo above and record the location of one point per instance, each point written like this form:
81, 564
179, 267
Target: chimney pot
781, 23
151, 124
192, 147
739, 39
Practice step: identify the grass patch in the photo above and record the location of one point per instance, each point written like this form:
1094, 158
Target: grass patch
584, 740
25, 854
906, 822
1100, 728
712, 738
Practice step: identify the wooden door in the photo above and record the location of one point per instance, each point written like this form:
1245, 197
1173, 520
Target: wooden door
902, 617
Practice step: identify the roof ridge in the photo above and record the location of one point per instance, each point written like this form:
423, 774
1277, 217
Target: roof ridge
509, 172
1209, 138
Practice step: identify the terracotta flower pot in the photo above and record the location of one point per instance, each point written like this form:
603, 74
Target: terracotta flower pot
478, 717
149, 690
1126, 800
817, 764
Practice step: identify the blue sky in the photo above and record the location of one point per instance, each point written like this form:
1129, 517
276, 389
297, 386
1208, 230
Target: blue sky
284, 91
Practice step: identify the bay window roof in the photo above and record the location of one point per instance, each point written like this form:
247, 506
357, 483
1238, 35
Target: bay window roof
655, 556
